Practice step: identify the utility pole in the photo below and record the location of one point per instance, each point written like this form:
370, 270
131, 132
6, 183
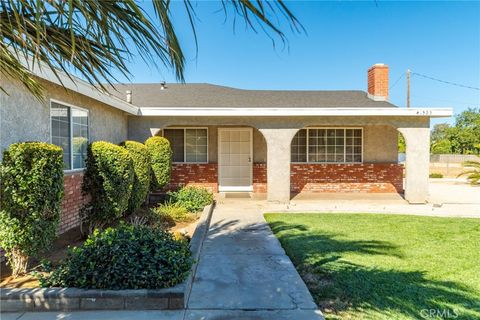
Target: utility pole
408, 88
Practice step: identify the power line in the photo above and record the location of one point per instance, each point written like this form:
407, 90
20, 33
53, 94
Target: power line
395, 83
443, 81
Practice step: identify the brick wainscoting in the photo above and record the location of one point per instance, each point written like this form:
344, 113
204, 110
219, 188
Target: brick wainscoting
365, 177
72, 201
203, 175
260, 177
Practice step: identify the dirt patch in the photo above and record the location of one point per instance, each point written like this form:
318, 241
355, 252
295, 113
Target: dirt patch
58, 251
322, 285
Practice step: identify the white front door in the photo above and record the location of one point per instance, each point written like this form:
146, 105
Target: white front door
235, 159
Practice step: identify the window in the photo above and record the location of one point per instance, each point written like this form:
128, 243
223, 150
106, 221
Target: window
325, 145
299, 147
188, 144
69, 130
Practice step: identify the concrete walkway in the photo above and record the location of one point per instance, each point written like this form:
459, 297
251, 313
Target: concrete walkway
243, 267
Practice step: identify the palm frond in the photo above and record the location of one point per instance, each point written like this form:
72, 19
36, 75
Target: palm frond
97, 38
473, 175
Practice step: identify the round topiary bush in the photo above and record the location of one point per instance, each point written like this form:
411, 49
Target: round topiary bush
108, 179
161, 161
31, 192
142, 174
127, 257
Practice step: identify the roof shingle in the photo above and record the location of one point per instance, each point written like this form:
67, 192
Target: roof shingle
204, 95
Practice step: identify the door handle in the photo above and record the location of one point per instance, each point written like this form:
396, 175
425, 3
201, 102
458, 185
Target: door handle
249, 159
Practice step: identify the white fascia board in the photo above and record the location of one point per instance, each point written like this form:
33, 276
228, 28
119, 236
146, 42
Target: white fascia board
78, 85
288, 112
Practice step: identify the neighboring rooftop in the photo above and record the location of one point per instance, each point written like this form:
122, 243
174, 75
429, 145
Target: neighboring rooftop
204, 95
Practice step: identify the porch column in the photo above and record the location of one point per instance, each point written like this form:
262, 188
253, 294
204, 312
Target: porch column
417, 163
278, 163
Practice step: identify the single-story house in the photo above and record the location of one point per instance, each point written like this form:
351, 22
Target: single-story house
226, 139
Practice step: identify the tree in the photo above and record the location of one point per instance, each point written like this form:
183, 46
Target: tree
439, 139
442, 147
439, 132
402, 146
92, 38
469, 118
463, 138
467, 136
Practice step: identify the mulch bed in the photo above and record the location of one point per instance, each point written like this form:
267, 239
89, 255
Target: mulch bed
58, 251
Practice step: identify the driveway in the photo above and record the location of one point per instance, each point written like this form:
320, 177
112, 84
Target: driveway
447, 198
453, 191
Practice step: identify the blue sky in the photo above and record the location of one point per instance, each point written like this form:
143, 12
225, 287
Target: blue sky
439, 39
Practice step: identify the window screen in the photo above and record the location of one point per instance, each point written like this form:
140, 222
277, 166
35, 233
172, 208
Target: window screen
196, 145
188, 144
69, 130
60, 117
177, 143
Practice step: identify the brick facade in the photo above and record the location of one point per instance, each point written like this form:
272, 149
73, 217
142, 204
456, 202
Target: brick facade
362, 178
72, 201
260, 177
196, 174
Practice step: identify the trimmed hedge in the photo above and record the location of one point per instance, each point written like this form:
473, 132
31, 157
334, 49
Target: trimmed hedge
31, 192
161, 161
142, 173
108, 179
127, 257
191, 198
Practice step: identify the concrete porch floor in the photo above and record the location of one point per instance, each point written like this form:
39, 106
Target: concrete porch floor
319, 196
363, 197
447, 198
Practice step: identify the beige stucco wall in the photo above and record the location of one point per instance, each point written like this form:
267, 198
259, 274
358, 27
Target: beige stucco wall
24, 118
380, 144
140, 128
380, 134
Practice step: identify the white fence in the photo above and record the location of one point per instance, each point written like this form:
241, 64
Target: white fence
453, 158
450, 165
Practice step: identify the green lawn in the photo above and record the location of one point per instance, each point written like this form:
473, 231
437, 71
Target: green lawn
369, 266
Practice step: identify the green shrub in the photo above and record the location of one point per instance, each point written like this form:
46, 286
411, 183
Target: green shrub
161, 161
142, 175
170, 212
31, 192
127, 257
108, 179
192, 198
436, 175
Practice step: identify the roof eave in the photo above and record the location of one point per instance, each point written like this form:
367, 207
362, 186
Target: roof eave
286, 112
76, 84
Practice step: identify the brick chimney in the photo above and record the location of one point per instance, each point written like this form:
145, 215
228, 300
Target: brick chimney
378, 82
